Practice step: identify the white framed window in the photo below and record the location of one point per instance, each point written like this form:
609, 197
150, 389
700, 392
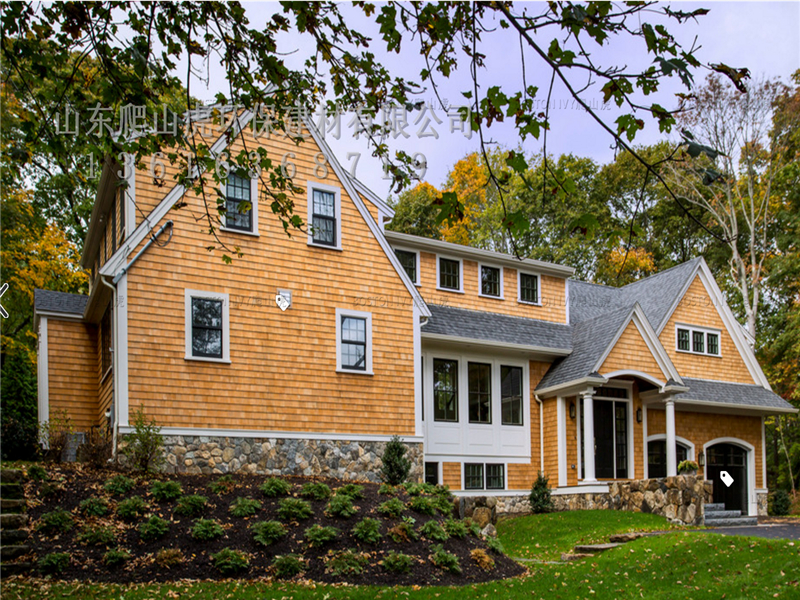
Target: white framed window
353, 341
449, 274
409, 260
490, 281
484, 476
529, 289
697, 340
324, 216
241, 205
207, 326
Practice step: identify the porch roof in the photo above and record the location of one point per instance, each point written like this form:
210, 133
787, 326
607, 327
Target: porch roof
48, 301
734, 394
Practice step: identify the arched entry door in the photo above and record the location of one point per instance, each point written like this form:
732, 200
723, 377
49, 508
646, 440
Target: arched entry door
733, 459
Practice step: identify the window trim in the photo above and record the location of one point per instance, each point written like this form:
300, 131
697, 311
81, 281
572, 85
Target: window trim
418, 282
358, 314
253, 211
464, 475
480, 281
337, 195
226, 329
538, 287
692, 329
484, 475
460, 262
457, 391
470, 392
521, 398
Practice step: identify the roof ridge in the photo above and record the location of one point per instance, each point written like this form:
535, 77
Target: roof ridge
650, 277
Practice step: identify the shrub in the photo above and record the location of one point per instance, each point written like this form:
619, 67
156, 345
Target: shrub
495, 545
96, 536
55, 435
206, 529
474, 528
114, 558
483, 560
51, 488
444, 491
119, 485
96, 447
130, 508
169, 557
315, 490
403, 532
94, 507
37, 473
288, 565
352, 491
164, 491
318, 536
191, 506
245, 507
229, 562
396, 466
397, 562
433, 531
267, 533
154, 528
55, 562
294, 509
392, 508
417, 489
274, 487
540, 499
58, 520
341, 506
444, 560
443, 504
19, 422
143, 448
781, 503
368, 531
387, 490
346, 562
223, 485
456, 528
422, 505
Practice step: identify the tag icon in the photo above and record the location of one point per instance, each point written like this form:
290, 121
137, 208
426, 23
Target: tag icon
282, 302
726, 478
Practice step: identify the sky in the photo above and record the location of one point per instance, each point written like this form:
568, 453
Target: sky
761, 36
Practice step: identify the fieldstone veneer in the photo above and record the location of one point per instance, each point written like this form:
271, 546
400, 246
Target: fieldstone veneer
348, 460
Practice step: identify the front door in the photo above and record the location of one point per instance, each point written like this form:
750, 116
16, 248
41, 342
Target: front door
733, 459
604, 439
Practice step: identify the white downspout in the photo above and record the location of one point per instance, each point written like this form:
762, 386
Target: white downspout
114, 374
541, 431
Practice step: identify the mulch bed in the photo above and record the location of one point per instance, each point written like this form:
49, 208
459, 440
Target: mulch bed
80, 483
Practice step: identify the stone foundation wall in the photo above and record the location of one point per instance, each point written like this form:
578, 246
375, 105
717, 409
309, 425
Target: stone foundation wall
762, 504
348, 460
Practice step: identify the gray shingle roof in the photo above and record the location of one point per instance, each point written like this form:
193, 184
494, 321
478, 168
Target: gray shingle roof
492, 327
735, 394
59, 302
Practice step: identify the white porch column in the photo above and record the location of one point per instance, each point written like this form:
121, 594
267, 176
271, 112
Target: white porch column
588, 436
672, 467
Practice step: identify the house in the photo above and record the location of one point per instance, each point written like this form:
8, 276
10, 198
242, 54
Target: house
311, 351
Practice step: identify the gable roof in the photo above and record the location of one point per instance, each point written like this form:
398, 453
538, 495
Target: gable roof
703, 391
48, 301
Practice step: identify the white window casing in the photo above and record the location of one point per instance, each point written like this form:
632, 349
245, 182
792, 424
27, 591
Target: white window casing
359, 314
226, 328
337, 193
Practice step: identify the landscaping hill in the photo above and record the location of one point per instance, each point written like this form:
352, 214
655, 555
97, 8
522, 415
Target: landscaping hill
109, 527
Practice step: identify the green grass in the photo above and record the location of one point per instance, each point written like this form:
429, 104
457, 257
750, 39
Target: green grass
545, 537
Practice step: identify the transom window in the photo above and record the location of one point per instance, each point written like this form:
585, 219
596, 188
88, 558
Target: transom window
491, 282
408, 260
511, 394
354, 343
238, 203
207, 327
529, 288
480, 392
445, 390
479, 476
697, 341
449, 274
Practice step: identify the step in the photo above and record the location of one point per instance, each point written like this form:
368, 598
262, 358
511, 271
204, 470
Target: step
13, 521
12, 491
714, 506
623, 538
11, 476
16, 568
570, 557
11, 536
594, 548
723, 514
11, 552
732, 522
12, 506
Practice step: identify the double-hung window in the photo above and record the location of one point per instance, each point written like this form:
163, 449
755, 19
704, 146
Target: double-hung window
323, 218
528, 288
353, 341
445, 390
449, 274
491, 282
239, 204
207, 326
408, 260
480, 392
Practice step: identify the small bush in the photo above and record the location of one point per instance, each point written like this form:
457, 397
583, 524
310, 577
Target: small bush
267, 533
55, 434
341, 506
94, 507
392, 508
474, 528
154, 528
132, 507
346, 562
352, 491
143, 448
191, 506
223, 485
417, 489
540, 499
456, 529
51, 488
169, 557
55, 562
96, 447
97, 536
245, 507
37, 473
444, 560
58, 520
368, 531
443, 504
315, 490
288, 565
443, 490
433, 531
403, 532
294, 509
396, 466
165, 491
483, 560
230, 562
422, 505
387, 490
781, 503
119, 485
495, 545
206, 529
115, 558
318, 535
397, 562
274, 487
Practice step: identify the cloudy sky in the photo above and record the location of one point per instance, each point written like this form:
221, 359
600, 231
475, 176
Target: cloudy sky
762, 36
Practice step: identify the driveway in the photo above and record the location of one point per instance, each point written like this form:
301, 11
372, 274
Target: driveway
773, 531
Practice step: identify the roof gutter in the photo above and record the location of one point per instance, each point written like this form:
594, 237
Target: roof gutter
496, 344
149, 243
575, 383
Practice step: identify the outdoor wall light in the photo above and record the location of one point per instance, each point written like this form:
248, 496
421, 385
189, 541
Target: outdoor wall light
701, 459
638, 415
571, 410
